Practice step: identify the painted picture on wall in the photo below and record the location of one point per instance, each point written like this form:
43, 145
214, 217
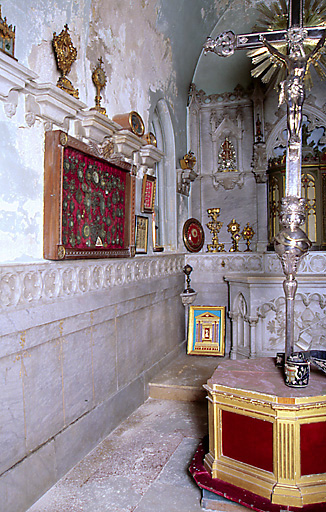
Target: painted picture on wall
206, 331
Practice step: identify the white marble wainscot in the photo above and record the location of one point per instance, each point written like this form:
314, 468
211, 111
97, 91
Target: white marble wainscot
79, 342
249, 285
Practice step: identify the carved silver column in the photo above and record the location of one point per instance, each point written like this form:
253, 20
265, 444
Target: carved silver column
291, 244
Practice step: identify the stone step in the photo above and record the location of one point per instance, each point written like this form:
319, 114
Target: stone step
183, 379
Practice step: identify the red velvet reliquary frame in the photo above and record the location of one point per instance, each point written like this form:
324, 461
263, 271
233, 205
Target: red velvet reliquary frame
89, 202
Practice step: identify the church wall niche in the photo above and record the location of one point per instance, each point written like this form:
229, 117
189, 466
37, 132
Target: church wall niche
214, 121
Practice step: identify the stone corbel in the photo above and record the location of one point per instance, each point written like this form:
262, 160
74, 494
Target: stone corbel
50, 104
149, 157
184, 179
11, 103
126, 144
228, 180
93, 126
13, 76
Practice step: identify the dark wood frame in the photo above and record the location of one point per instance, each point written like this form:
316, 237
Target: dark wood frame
147, 206
55, 143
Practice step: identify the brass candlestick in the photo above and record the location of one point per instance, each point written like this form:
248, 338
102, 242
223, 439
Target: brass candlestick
65, 54
234, 229
99, 80
248, 234
214, 226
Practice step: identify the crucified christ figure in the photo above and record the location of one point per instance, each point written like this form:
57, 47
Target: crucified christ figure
292, 88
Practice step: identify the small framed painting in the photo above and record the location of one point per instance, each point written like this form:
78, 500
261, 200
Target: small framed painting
141, 234
206, 331
148, 194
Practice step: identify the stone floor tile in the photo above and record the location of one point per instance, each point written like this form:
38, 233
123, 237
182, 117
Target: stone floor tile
164, 497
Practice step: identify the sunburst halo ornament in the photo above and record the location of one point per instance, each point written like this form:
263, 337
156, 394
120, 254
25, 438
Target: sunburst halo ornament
275, 17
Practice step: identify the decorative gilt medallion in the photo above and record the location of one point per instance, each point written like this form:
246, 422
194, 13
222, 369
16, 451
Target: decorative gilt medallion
99, 80
61, 252
65, 54
193, 235
63, 139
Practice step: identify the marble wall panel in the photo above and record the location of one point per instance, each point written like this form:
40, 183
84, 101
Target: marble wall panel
104, 360
12, 429
77, 375
23, 485
43, 398
133, 344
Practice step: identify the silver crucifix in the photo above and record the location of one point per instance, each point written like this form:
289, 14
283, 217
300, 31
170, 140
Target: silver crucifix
291, 243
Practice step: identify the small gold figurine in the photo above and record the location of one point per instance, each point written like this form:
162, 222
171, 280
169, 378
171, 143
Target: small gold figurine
247, 234
234, 229
65, 54
214, 226
99, 80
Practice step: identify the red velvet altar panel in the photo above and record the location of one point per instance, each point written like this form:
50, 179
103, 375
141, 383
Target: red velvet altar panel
313, 448
248, 440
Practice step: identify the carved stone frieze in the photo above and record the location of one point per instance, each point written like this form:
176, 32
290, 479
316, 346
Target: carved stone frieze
265, 263
40, 283
199, 97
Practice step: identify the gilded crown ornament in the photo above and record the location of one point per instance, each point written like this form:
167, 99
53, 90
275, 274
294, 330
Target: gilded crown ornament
99, 80
7, 36
234, 229
188, 161
214, 226
65, 54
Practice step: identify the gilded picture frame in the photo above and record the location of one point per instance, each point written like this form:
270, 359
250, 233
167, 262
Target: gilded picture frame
148, 194
206, 331
141, 237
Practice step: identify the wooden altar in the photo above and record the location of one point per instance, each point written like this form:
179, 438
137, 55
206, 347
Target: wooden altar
266, 440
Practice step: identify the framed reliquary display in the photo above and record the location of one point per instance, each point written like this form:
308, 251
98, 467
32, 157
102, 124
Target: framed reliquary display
141, 234
148, 194
89, 202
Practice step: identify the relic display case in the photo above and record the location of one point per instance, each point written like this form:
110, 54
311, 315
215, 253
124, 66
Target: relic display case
89, 202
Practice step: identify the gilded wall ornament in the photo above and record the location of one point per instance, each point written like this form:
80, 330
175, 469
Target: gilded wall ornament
227, 157
99, 80
65, 54
7, 37
214, 226
234, 229
247, 235
188, 161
